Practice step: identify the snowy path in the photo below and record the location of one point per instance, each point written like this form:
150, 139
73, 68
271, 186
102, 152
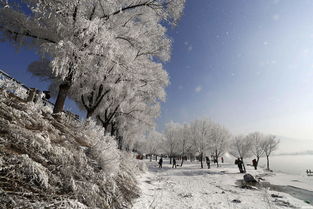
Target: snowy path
191, 187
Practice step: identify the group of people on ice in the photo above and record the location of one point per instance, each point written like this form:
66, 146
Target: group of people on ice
208, 161
241, 166
174, 164
238, 162
161, 162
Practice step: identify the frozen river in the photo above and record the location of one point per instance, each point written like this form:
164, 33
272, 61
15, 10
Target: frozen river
291, 164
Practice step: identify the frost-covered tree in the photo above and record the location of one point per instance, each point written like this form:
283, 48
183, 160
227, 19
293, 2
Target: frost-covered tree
129, 126
153, 143
142, 84
135, 101
82, 37
257, 141
128, 118
200, 136
269, 145
240, 147
185, 143
219, 136
171, 139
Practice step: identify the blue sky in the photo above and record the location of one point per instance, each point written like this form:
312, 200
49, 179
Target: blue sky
247, 64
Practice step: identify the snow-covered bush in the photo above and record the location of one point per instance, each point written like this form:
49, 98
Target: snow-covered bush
12, 86
53, 161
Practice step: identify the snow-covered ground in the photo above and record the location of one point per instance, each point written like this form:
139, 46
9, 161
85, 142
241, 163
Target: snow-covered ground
192, 187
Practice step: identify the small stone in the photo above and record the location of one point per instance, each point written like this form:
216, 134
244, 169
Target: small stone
276, 196
236, 201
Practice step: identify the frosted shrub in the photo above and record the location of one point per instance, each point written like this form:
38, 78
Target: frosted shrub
66, 204
25, 169
56, 162
44, 107
13, 87
105, 153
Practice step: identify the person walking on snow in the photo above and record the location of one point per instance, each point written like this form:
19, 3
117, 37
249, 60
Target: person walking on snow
174, 163
207, 159
160, 162
239, 163
255, 164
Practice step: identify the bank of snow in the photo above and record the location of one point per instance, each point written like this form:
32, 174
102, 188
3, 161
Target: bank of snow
55, 161
191, 187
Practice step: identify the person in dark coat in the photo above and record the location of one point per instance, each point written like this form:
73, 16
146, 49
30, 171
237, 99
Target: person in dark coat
254, 163
239, 163
174, 163
207, 159
160, 162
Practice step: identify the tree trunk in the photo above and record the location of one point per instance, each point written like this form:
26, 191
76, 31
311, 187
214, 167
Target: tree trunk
201, 156
216, 157
63, 91
31, 95
156, 158
243, 166
170, 159
268, 162
257, 162
182, 161
150, 157
112, 130
106, 128
89, 113
120, 142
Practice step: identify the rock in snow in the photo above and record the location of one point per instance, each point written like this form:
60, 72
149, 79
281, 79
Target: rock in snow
248, 178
